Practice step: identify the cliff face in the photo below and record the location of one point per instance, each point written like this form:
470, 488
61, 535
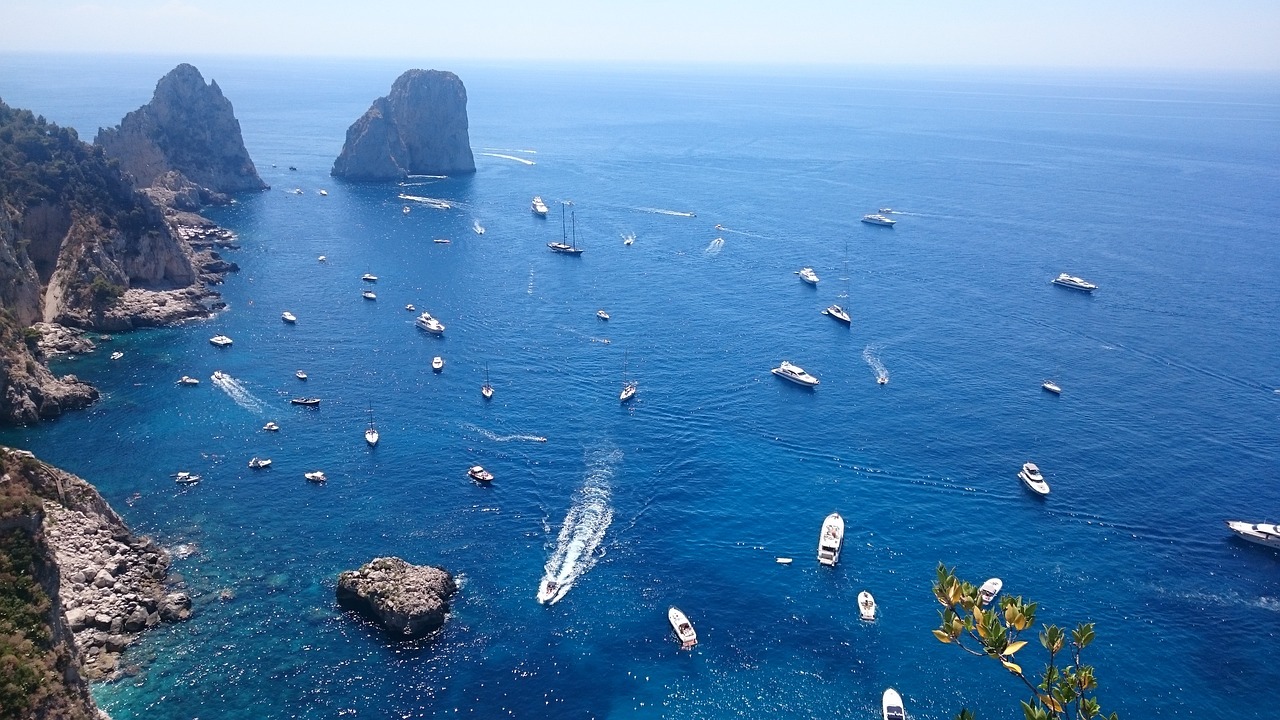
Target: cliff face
189, 127
420, 128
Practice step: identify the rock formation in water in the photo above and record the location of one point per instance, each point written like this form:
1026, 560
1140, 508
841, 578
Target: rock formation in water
408, 601
420, 128
188, 127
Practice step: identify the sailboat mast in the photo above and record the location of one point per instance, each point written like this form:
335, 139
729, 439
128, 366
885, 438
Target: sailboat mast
573, 219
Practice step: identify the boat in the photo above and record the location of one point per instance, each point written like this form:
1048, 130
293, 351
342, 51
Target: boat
1261, 533
547, 590
442, 241
371, 432
297, 191
486, 389
369, 295
830, 540
324, 192
479, 474
322, 258
563, 247
783, 560
891, 706
288, 317
602, 314
369, 277
117, 355
839, 313
405, 210
306, 402
879, 220
437, 363
410, 307
866, 606
186, 380
186, 478
886, 211
259, 463
293, 167
1052, 387
300, 375
808, 275
989, 590
271, 426
629, 239
105, 338
795, 374
628, 387
538, 207
1075, 283
682, 626
220, 340
315, 476
1030, 475
430, 324
477, 227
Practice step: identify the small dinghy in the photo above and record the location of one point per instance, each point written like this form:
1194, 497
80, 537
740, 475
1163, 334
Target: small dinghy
306, 402
117, 355
989, 590
300, 375
782, 561
602, 314
1052, 387
437, 363
683, 628
369, 295
259, 463
891, 706
186, 380
866, 606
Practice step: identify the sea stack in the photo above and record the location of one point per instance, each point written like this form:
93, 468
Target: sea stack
420, 128
408, 601
189, 127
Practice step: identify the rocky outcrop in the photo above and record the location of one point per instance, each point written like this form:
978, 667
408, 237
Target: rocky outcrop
29, 392
188, 127
408, 601
420, 128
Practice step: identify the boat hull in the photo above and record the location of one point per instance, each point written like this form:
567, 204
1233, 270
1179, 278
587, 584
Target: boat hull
1039, 487
831, 540
683, 628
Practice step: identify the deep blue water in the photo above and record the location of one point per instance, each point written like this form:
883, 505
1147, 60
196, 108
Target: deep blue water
1163, 190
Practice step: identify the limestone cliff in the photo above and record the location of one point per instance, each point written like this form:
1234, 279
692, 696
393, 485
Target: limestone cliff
420, 128
188, 127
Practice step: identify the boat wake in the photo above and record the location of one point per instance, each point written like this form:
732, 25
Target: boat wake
873, 360
660, 211
239, 393
529, 290
429, 202
510, 150
583, 530
503, 438
715, 247
510, 157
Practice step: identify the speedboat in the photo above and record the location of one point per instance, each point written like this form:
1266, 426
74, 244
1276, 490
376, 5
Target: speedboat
369, 295
882, 379
186, 478
602, 314
306, 402
185, 380
430, 324
879, 220
538, 207
271, 426
808, 275
1052, 387
477, 227
891, 706
1263, 534
218, 376
369, 277
479, 474
315, 477
117, 355
866, 606
682, 626
300, 375
547, 590
989, 590
628, 392
220, 340
795, 374
1030, 475
323, 191
259, 463
288, 317
322, 258
1075, 283
886, 211
410, 307
838, 313
437, 363
830, 540
442, 241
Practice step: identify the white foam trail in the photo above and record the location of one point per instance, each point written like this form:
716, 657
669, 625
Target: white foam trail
239, 393
660, 211
584, 526
511, 157
869, 354
477, 227
504, 438
529, 291
715, 247
429, 202
527, 152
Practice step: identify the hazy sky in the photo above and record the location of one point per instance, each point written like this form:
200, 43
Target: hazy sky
1222, 34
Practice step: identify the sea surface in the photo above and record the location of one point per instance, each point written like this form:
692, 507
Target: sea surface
1162, 189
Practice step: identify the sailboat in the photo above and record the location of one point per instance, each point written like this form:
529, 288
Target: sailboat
562, 247
486, 389
835, 311
371, 433
628, 388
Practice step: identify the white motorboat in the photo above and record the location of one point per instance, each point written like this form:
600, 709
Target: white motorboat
602, 314
547, 590
808, 275
683, 628
117, 355
300, 375
322, 258
477, 227
219, 376
185, 380
1261, 533
271, 427
874, 219
1075, 283
186, 478
369, 295
479, 474
430, 324
783, 560
442, 241
323, 191
891, 706
830, 540
538, 207
866, 606
563, 247
838, 313
1031, 476
305, 402
405, 210
437, 363
410, 307
1052, 387
259, 463
315, 477
288, 317
886, 211
369, 277
989, 590
220, 340
795, 374
486, 389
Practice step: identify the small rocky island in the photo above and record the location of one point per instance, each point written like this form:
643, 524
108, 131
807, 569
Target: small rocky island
420, 128
408, 601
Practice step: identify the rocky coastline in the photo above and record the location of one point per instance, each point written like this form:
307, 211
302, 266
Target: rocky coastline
407, 601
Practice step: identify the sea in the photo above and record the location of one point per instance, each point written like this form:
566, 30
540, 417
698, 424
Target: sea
1161, 188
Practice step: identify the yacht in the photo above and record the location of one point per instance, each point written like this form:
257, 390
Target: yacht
271, 426
437, 363
1075, 283
682, 626
1052, 387
430, 324
185, 380
486, 389
288, 317
259, 463
879, 220
1030, 475
795, 374
300, 375
538, 207
1263, 534
989, 590
186, 478
866, 606
563, 247
891, 706
830, 540
369, 295
315, 476
306, 402
442, 241
838, 313
220, 340
369, 277
602, 314
117, 355
808, 275
629, 387
479, 474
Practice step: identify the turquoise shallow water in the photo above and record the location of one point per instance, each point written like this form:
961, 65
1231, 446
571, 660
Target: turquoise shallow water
1161, 190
